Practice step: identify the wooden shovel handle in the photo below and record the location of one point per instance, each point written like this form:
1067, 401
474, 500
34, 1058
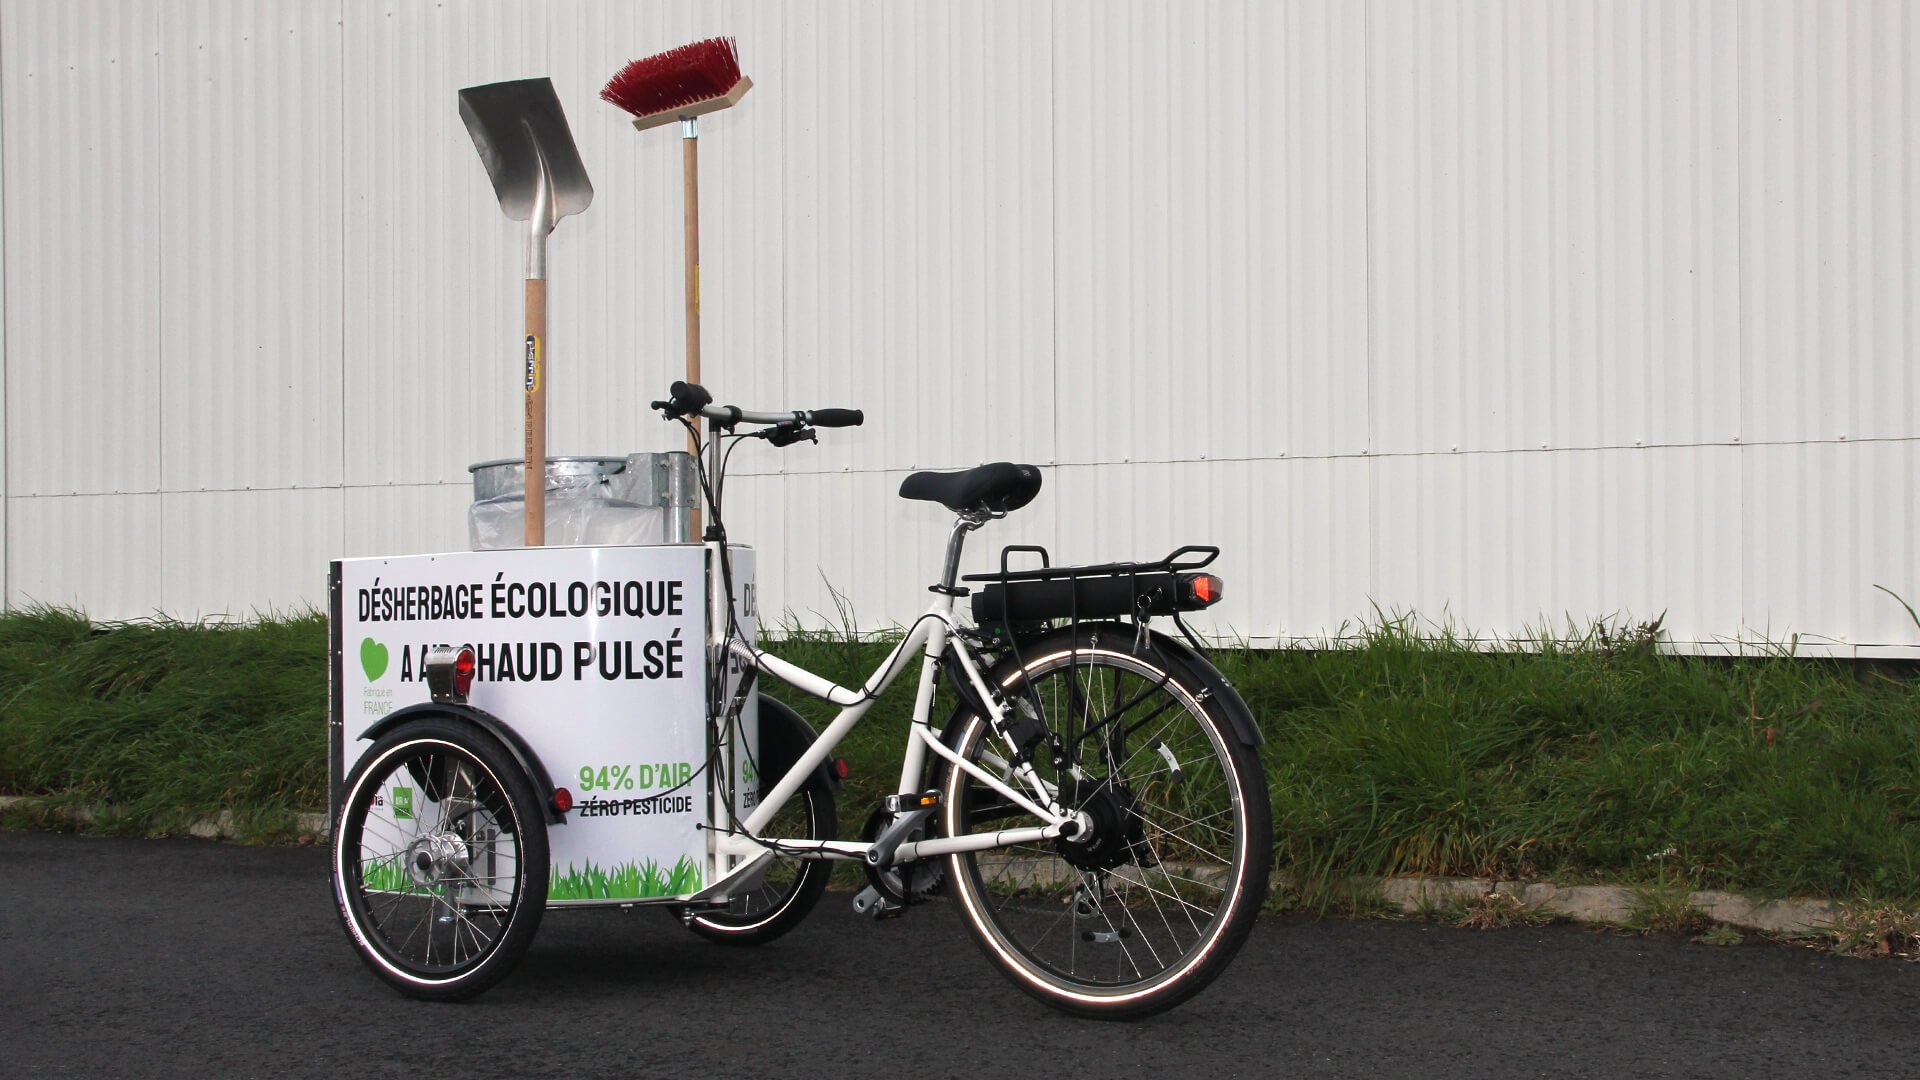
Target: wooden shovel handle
536, 387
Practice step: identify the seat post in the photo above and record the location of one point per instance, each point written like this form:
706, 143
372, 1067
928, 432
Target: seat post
962, 525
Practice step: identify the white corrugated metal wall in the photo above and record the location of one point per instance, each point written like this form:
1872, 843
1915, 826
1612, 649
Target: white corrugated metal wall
1501, 312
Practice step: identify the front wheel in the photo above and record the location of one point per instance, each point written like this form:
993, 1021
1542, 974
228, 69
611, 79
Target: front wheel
440, 860
1145, 911
792, 886
790, 889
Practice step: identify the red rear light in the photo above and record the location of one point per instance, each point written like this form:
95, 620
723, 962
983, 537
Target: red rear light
449, 672
463, 666
562, 800
1204, 590
840, 769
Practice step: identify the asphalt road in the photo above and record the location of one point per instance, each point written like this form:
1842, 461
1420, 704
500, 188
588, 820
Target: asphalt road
177, 957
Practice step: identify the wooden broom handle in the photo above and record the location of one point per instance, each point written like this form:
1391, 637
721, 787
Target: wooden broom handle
690, 179
536, 386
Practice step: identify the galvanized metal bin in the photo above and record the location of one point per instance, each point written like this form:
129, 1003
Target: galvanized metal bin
591, 500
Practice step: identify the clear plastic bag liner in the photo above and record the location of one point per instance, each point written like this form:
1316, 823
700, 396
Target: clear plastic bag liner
640, 499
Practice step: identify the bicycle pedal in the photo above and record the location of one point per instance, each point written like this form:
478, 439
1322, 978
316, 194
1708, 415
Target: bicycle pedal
870, 901
906, 804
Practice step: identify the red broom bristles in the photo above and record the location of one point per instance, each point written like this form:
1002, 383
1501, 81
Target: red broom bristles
675, 78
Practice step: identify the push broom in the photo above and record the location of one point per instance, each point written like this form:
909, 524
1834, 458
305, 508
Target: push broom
683, 84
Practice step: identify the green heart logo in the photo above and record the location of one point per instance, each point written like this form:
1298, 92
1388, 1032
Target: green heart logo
373, 659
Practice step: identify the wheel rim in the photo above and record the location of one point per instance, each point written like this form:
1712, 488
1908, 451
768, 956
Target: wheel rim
429, 861
1106, 920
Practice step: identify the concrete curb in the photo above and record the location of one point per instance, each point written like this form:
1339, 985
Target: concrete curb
1609, 903
217, 827
1409, 896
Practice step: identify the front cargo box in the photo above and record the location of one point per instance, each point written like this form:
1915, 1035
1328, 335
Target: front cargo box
595, 656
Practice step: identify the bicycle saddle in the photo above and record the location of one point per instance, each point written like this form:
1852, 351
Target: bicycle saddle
1001, 487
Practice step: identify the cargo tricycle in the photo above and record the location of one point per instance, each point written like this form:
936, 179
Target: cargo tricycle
587, 726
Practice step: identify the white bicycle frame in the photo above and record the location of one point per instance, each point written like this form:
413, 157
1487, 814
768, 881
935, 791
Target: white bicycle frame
740, 855
932, 634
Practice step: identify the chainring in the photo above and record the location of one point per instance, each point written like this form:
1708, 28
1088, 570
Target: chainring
907, 883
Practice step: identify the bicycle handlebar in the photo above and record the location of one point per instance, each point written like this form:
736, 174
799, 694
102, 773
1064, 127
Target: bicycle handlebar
687, 399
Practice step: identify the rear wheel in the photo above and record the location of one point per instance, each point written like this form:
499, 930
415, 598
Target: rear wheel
440, 860
1145, 911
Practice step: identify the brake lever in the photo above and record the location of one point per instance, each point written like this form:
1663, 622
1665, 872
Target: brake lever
788, 434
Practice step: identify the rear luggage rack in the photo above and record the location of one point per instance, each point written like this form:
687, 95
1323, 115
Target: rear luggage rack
1016, 601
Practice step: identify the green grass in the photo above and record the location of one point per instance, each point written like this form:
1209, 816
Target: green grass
1584, 761
1591, 759
164, 722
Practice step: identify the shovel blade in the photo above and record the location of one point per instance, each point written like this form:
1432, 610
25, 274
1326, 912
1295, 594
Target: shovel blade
517, 127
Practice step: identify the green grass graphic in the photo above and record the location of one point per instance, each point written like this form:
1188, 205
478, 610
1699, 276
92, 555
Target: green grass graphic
386, 875
626, 881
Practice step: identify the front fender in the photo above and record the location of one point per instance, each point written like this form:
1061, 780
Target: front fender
784, 736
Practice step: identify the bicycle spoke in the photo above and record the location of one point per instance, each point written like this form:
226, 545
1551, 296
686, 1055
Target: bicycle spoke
1177, 838
1120, 939
1190, 907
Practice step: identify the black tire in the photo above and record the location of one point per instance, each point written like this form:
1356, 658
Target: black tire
793, 886
1146, 911
440, 888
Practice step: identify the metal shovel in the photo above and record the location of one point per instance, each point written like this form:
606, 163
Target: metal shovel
524, 141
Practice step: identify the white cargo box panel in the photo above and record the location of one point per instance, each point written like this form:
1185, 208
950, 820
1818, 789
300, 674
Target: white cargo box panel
595, 657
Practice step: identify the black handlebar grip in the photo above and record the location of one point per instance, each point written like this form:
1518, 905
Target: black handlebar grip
836, 417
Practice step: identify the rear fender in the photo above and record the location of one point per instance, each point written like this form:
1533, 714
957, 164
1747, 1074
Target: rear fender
1220, 689
1197, 669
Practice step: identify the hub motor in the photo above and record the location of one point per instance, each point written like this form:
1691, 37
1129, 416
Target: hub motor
1117, 836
